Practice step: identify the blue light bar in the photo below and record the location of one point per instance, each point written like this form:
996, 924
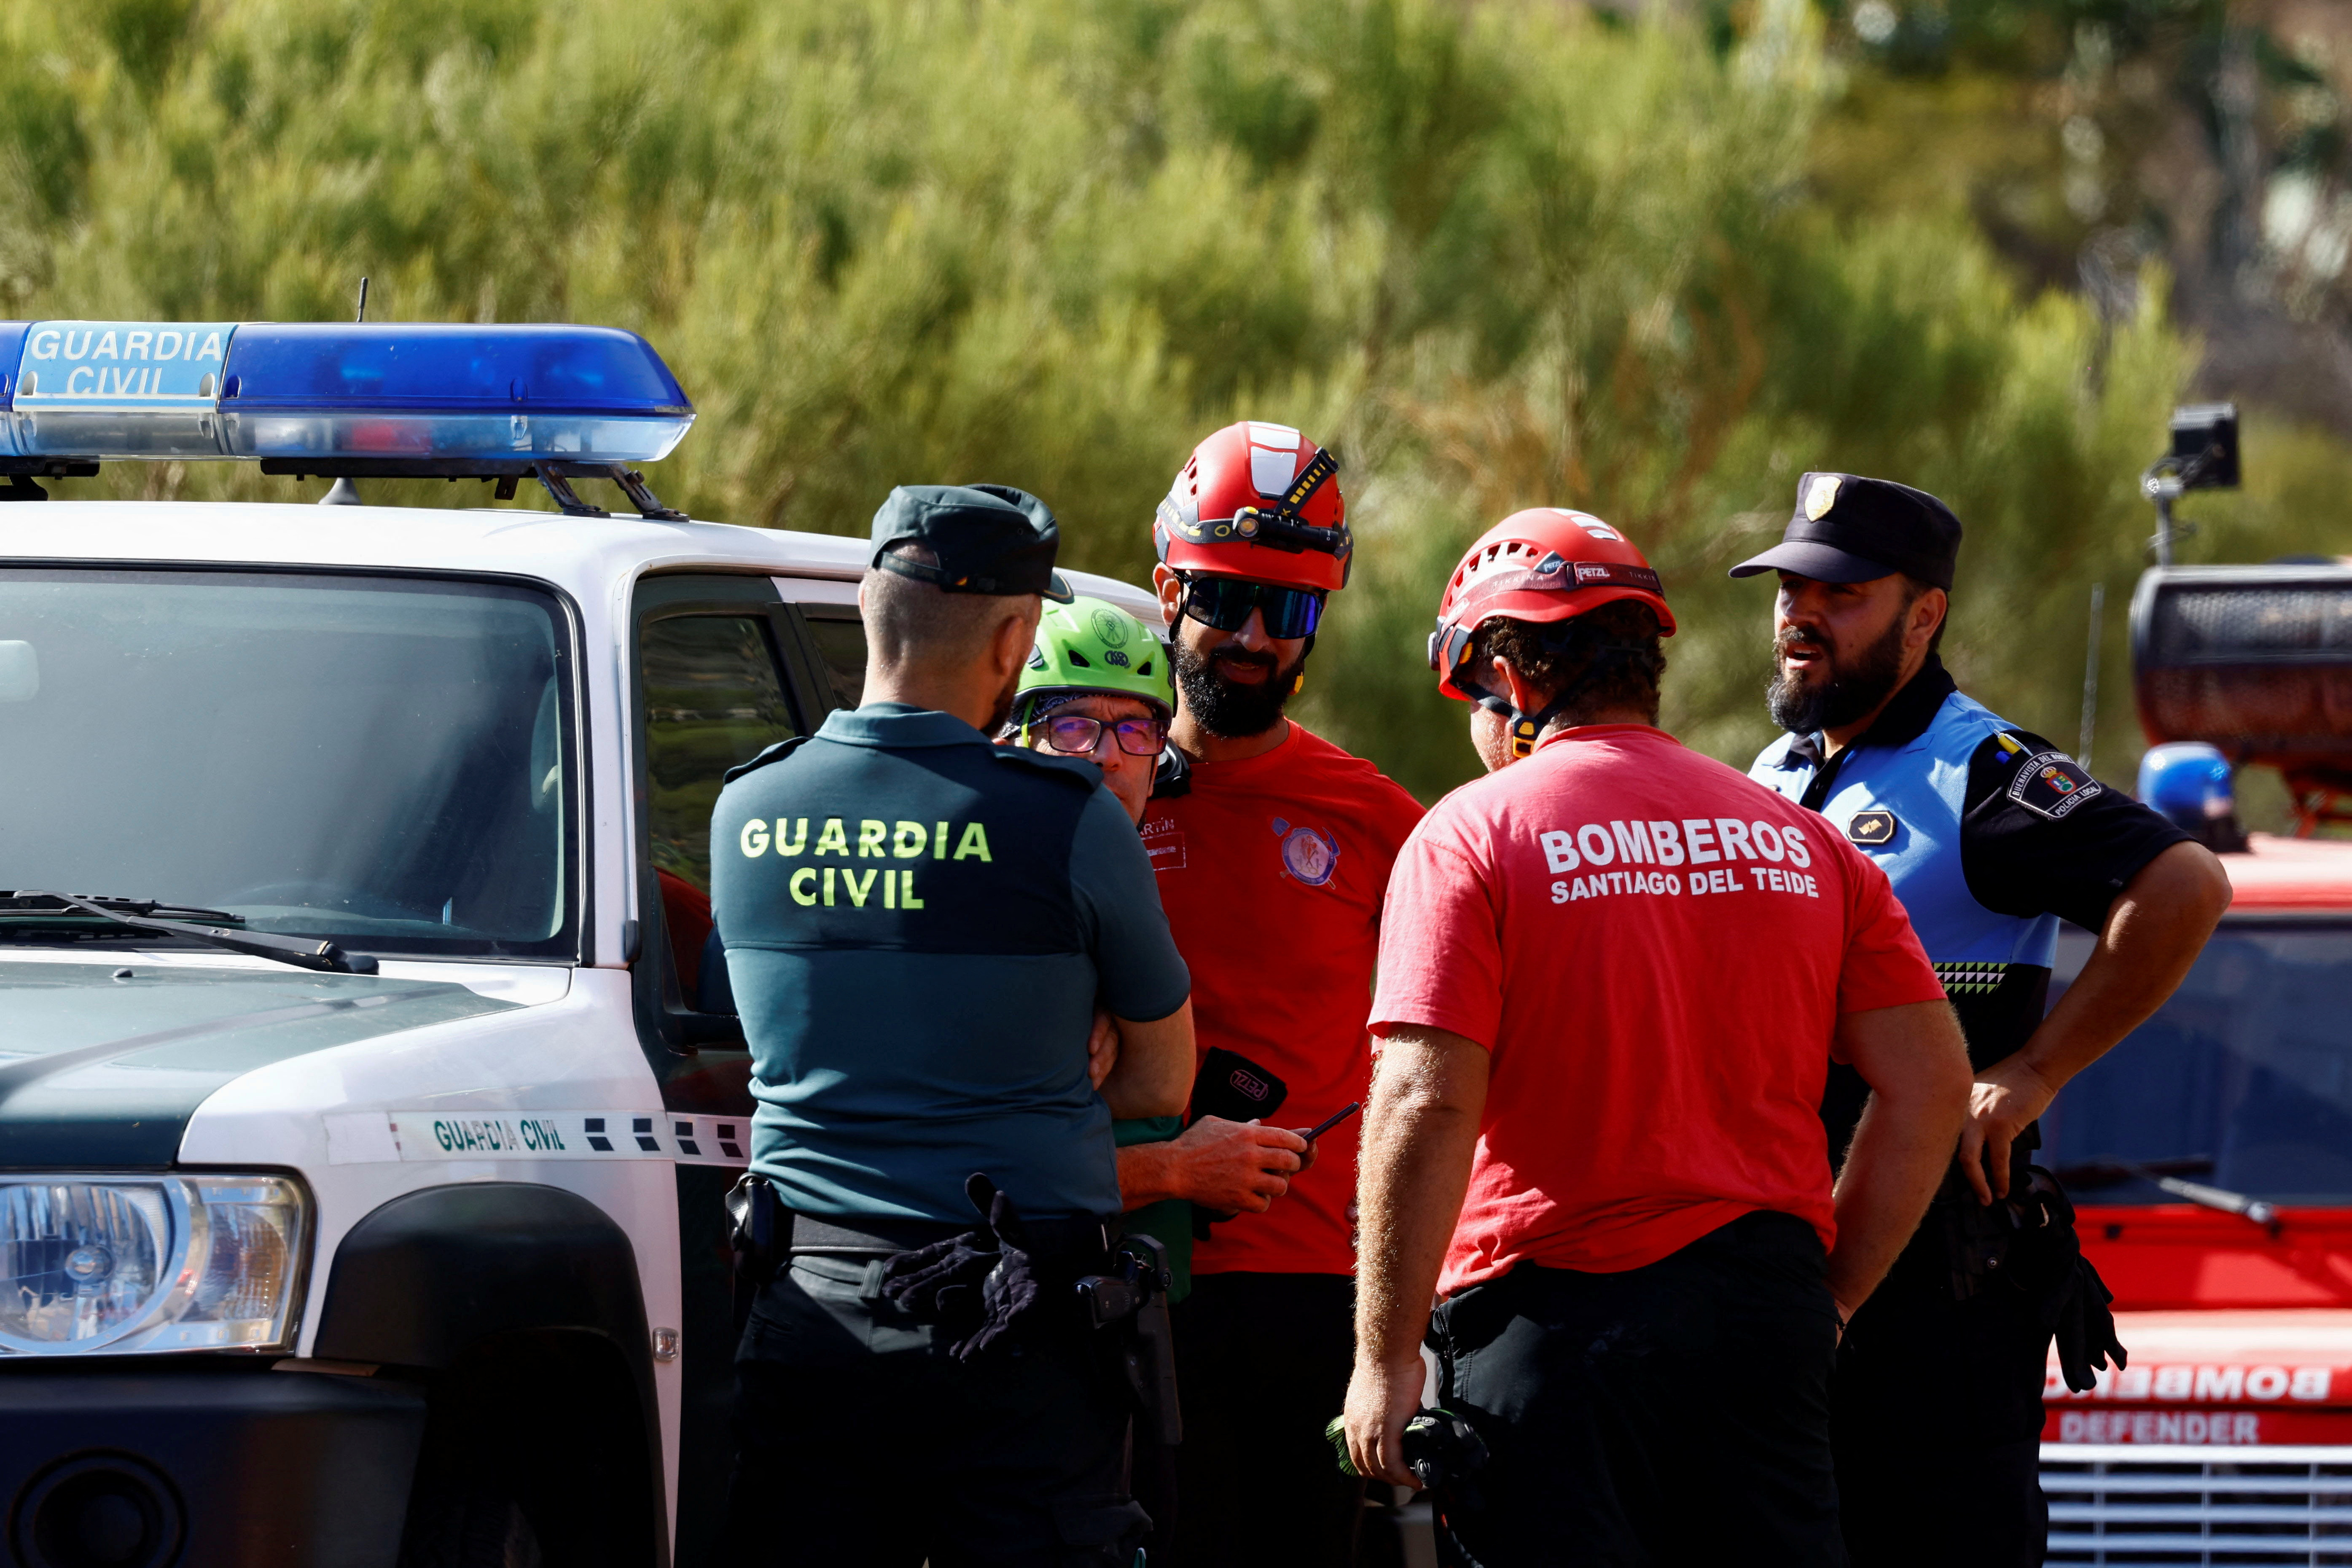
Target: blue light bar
579, 393
414, 397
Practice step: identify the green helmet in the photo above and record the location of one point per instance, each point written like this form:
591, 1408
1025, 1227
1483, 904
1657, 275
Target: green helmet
1088, 646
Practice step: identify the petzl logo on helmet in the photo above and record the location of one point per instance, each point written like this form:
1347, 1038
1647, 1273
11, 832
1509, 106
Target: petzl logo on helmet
1110, 626
1820, 495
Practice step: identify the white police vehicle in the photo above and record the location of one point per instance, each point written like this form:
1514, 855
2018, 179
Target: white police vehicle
366, 1095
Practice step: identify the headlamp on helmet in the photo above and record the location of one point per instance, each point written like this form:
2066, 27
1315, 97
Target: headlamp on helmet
1260, 501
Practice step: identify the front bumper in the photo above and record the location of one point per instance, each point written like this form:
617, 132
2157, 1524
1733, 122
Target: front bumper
204, 1468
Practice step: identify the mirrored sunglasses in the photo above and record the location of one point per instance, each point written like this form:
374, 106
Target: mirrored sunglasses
1225, 603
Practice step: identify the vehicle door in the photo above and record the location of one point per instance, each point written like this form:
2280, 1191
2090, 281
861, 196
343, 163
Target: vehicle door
723, 668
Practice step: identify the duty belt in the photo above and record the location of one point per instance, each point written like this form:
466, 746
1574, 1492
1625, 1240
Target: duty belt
814, 1235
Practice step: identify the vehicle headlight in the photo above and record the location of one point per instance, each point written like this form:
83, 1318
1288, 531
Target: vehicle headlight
128, 1264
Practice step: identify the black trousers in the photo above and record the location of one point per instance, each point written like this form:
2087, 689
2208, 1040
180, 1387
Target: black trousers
863, 1444
1676, 1413
1262, 1363
1936, 1412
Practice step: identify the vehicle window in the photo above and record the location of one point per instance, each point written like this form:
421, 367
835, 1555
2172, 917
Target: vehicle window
2249, 1065
377, 760
713, 699
841, 643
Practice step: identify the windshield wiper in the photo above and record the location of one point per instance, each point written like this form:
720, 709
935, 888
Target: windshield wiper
2166, 1174
145, 914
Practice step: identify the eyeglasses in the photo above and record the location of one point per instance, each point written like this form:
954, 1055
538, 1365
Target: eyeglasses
1225, 603
1077, 737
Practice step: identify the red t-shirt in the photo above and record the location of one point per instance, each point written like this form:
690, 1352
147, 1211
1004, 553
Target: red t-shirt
1271, 871
1655, 951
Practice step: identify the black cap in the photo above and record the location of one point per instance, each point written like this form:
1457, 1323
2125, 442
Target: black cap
1848, 528
988, 539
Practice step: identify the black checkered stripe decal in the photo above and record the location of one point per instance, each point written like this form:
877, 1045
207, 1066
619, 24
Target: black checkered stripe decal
1966, 979
571, 1135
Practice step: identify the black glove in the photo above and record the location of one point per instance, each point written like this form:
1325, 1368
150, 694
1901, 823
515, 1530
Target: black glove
1011, 1290
2085, 1329
943, 1282
2049, 1265
988, 1275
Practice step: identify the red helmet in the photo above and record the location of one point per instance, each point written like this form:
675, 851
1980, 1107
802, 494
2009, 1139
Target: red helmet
1260, 501
1546, 564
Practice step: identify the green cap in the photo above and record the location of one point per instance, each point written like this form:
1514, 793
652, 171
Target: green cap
1089, 646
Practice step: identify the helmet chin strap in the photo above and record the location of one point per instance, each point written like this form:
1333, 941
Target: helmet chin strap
1523, 730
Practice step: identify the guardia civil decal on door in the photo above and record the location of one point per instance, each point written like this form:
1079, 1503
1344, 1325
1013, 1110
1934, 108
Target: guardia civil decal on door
369, 1079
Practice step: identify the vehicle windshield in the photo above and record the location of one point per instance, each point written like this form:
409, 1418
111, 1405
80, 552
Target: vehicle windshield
381, 760
2249, 1064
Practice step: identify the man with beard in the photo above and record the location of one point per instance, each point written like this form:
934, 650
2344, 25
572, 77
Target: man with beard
1272, 847
1991, 836
919, 926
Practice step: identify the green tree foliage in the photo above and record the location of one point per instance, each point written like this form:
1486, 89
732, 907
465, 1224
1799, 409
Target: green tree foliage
1493, 254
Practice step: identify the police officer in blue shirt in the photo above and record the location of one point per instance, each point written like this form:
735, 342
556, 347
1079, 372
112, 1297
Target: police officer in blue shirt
1991, 836
919, 927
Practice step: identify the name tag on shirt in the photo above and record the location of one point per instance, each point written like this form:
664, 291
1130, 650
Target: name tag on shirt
1872, 829
1165, 844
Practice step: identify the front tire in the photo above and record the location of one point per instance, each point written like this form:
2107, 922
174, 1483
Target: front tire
575, 1489
468, 1525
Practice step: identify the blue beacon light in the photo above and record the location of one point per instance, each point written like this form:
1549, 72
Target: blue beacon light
2187, 782
361, 400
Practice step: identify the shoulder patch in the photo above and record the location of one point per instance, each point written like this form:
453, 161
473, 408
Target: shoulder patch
1872, 829
2052, 784
775, 753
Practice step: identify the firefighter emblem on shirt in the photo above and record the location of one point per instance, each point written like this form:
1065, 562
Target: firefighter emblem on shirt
2052, 784
1308, 853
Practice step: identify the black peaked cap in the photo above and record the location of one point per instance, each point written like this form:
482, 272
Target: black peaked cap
1850, 529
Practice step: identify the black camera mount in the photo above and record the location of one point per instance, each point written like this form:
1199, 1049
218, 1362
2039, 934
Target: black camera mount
2204, 457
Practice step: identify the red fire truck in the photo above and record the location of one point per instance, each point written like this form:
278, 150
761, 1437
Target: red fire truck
2211, 1153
